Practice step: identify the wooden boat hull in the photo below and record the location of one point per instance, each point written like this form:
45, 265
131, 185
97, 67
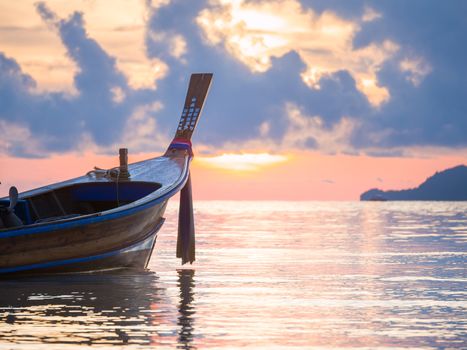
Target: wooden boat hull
67, 245
121, 237
122, 242
135, 256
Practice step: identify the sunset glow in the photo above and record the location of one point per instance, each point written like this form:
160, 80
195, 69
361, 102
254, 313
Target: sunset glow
251, 176
242, 162
233, 174
318, 101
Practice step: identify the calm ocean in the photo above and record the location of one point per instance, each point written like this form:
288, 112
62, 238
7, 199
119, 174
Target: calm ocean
279, 275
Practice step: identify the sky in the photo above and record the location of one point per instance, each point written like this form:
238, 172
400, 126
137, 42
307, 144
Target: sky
311, 99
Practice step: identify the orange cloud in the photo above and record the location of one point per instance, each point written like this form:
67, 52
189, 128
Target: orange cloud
41, 54
255, 32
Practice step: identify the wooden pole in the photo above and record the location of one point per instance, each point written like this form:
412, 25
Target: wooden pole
124, 174
186, 226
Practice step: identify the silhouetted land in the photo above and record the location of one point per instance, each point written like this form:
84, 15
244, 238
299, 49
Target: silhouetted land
447, 185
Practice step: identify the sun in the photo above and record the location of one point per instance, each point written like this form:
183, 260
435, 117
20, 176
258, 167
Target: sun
242, 161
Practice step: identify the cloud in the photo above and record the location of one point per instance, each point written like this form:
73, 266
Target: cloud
172, 43
427, 106
39, 51
370, 14
416, 69
330, 76
304, 130
254, 32
328, 181
301, 132
119, 31
141, 130
98, 113
12, 141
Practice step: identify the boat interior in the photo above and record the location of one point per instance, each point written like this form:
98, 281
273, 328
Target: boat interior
76, 200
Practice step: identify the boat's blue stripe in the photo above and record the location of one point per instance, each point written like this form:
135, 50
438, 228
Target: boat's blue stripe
93, 219
75, 260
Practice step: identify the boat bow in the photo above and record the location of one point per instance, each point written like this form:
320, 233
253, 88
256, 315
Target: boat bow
106, 218
194, 101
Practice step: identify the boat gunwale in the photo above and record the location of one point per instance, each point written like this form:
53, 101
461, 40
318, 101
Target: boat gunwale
125, 210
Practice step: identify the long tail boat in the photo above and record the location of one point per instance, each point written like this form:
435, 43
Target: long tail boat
106, 219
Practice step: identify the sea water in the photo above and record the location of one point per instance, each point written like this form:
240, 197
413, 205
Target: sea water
324, 275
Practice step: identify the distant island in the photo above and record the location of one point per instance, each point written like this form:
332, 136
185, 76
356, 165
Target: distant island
447, 185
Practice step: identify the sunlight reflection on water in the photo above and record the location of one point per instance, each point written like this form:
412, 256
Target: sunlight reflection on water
268, 274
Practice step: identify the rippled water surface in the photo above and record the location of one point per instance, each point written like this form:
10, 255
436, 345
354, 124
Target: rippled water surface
270, 275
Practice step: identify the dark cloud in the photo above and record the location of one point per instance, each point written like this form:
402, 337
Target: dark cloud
435, 112
240, 100
60, 120
432, 113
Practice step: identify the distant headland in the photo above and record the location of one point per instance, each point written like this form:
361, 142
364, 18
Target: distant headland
447, 185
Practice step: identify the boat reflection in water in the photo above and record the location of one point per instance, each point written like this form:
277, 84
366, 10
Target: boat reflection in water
112, 309
186, 309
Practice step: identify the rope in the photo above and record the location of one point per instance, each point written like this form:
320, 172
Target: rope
99, 172
113, 173
118, 179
